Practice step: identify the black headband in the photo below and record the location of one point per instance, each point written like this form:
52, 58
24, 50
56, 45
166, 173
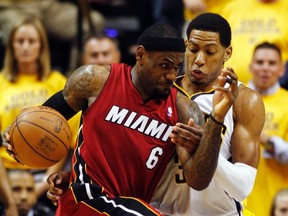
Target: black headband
162, 44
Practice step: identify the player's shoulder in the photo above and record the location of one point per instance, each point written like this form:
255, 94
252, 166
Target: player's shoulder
245, 93
88, 79
91, 70
249, 102
183, 100
187, 108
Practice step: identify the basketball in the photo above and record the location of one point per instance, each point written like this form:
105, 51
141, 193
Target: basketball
40, 137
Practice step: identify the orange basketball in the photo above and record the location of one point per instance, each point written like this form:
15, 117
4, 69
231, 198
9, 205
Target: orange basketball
40, 137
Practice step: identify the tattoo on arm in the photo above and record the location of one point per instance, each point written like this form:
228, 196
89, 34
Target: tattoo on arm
202, 165
209, 150
84, 83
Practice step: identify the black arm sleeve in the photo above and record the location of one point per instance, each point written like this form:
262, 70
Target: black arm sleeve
58, 103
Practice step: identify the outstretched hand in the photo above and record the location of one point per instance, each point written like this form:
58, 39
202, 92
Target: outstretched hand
225, 95
57, 183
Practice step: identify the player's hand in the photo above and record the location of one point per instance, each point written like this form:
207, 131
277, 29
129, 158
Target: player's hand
58, 183
8, 146
225, 95
187, 136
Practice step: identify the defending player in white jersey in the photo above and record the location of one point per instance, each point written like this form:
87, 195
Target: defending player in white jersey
207, 49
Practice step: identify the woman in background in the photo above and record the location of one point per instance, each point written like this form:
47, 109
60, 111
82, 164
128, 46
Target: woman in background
27, 80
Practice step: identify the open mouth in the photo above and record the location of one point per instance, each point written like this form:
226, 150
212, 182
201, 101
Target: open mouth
197, 74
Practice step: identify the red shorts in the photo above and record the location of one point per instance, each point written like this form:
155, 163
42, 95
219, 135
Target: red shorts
85, 199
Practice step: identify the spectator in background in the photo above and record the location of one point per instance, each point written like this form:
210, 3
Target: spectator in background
266, 68
58, 17
22, 184
280, 203
101, 49
61, 20
253, 22
28, 80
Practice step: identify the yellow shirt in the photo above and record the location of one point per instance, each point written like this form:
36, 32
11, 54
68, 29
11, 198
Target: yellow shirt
253, 22
271, 175
27, 91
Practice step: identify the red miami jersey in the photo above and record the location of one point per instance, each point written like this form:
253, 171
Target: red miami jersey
124, 146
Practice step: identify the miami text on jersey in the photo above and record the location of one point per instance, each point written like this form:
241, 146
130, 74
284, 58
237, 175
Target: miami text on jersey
141, 123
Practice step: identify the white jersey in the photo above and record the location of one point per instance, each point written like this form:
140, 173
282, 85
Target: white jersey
173, 195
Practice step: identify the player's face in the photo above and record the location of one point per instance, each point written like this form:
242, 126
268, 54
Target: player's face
204, 58
266, 68
101, 51
22, 185
160, 70
26, 44
281, 208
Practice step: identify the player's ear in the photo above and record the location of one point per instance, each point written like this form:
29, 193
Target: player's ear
228, 53
140, 53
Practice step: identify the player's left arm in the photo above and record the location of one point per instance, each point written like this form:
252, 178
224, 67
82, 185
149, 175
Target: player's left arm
237, 178
199, 163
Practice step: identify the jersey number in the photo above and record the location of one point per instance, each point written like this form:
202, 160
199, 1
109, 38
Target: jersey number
154, 157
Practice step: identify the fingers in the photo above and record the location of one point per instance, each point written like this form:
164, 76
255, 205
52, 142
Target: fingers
227, 76
9, 147
54, 198
54, 181
225, 94
53, 192
58, 184
187, 136
6, 139
229, 80
230, 72
14, 156
187, 131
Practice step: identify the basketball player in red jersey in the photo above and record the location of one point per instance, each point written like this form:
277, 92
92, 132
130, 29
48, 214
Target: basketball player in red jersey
132, 120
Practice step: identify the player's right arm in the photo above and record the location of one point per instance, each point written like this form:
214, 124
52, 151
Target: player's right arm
81, 89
